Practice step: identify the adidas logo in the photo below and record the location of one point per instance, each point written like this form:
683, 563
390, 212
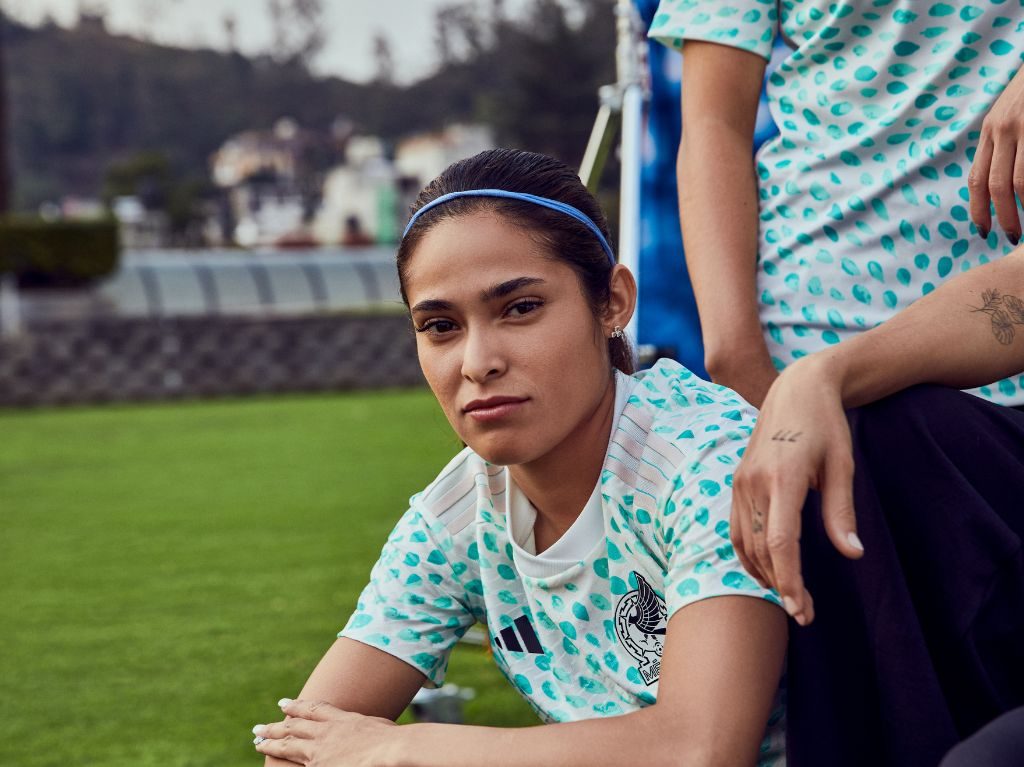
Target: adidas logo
523, 641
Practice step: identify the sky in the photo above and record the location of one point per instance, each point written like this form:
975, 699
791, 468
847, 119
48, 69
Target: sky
350, 24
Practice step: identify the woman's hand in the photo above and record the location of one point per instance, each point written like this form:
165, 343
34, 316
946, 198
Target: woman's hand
802, 440
319, 735
998, 169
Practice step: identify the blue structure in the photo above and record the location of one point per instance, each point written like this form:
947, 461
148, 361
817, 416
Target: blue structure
668, 314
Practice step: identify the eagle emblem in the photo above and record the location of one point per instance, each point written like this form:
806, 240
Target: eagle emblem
640, 623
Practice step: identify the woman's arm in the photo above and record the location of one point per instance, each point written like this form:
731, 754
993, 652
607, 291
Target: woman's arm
718, 211
719, 675
967, 333
355, 677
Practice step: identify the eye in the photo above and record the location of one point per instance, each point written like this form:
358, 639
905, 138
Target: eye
524, 307
436, 327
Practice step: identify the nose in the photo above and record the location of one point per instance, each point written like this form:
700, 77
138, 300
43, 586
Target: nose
483, 357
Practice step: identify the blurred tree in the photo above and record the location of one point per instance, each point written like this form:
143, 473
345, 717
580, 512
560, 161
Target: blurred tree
81, 99
384, 61
151, 177
297, 30
230, 23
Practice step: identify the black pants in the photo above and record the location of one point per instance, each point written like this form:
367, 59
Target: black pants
920, 643
997, 744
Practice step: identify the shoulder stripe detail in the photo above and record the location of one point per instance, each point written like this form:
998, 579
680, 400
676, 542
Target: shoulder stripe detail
628, 475
457, 463
452, 502
457, 519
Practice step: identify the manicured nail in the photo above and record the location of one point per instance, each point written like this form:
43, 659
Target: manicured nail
258, 729
790, 605
983, 232
1013, 237
284, 702
257, 741
854, 541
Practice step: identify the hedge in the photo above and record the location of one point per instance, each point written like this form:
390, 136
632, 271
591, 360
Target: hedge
58, 252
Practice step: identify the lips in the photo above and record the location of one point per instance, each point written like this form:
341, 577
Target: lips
493, 408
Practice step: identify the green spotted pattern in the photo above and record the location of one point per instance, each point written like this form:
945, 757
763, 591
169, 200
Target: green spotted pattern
863, 194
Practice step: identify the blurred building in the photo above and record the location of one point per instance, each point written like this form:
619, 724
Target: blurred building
359, 203
140, 227
422, 157
273, 181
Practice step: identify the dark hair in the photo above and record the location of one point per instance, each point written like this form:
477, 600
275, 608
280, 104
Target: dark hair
562, 236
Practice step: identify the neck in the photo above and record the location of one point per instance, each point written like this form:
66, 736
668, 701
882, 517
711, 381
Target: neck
559, 483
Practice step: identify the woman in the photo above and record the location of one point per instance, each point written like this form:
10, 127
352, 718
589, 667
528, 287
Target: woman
899, 124
585, 523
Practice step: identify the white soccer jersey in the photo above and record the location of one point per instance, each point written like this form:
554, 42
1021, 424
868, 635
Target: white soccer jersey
578, 629
864, 204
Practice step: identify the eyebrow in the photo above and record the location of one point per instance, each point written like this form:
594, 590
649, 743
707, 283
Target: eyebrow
508, 287
500, 290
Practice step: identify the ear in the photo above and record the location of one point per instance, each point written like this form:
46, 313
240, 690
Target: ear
621, 299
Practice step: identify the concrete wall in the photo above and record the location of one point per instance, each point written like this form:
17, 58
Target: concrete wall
148, 359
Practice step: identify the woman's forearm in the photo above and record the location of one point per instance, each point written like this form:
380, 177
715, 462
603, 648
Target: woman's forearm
968, 332
642, 737
709, 711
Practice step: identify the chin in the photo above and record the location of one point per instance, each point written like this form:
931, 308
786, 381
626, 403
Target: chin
503, 452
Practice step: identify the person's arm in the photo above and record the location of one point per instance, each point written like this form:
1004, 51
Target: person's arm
361, 679
718, 210
402, 629
720, 671
967, 333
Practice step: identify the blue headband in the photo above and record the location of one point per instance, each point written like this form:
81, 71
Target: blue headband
545, 202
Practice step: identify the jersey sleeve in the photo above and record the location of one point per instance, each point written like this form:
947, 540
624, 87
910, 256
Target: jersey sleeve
747, 24
701, 561
414, 606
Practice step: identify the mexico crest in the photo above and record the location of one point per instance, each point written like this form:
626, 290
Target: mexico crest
640, 623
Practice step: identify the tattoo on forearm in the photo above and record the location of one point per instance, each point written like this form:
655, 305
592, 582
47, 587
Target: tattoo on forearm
786, 436
1005, 312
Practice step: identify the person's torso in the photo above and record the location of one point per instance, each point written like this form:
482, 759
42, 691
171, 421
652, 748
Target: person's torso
586, 639
864, 198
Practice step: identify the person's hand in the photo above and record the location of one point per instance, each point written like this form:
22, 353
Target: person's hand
746, 369
998, 169
801, 441
317, 734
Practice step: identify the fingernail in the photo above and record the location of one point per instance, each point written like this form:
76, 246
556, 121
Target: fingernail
790, 605
258, 729
284, 702
983, 232
854, 541
257, 741
1014, 238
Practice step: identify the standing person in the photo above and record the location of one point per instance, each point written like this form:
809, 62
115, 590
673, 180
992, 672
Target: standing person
899, 122
586, 522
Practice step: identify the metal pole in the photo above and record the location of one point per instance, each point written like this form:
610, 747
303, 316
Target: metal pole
631, 67
10, 306
5, 173
602, 137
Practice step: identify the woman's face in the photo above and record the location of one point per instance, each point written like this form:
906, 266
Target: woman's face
505, 337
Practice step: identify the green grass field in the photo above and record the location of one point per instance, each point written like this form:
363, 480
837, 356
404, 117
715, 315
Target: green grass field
168, 572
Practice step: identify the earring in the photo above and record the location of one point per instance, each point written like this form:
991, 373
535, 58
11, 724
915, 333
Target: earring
617, 332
